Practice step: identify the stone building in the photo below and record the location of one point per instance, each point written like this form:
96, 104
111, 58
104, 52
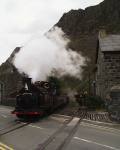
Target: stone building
10, 80
108, 63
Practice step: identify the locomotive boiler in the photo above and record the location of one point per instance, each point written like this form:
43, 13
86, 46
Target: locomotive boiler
38, 99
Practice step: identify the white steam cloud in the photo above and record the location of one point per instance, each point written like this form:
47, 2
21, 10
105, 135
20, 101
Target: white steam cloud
48, 54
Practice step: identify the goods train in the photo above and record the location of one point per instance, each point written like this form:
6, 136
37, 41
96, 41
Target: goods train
38, 99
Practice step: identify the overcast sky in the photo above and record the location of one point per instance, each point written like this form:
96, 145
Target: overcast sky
21, 20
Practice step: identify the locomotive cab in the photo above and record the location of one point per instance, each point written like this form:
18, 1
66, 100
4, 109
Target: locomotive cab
28, 100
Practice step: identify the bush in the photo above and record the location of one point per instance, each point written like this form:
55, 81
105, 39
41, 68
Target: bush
94, 102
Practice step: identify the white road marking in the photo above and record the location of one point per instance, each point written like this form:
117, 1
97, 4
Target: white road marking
5, 147
99, 122
1, 148
98, 126
74, 121
36, 127
58, 119
92, 142
62, 116
3, 115
5, 109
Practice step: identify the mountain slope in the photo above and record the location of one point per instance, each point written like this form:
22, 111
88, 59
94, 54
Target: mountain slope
82, 26
90, 20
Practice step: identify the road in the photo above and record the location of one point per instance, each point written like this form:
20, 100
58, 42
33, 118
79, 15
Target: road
57, 132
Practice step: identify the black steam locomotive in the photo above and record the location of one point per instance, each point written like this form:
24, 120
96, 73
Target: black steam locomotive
38, 99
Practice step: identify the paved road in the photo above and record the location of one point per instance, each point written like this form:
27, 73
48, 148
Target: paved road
56, 132
92, 136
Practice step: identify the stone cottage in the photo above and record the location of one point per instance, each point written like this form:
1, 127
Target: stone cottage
10, 80
108, 63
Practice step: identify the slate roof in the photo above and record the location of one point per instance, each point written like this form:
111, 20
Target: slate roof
109, 43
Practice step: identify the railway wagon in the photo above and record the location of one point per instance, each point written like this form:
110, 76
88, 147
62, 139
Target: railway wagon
38, 99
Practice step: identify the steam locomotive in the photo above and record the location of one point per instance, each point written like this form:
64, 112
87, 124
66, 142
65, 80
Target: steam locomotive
38, 99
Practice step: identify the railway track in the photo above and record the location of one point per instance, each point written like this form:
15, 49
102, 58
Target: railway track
12, 126
72, 132
52, 137
60, 135
60, 138
66, 127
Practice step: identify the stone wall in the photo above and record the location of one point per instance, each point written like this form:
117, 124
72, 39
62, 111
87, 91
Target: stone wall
12, 82
108, 72
112, 69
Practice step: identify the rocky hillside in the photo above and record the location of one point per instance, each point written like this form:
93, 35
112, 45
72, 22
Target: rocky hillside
9, 75
8, 67
82, 26
90, 20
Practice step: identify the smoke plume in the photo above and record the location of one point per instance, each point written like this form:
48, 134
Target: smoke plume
48, 54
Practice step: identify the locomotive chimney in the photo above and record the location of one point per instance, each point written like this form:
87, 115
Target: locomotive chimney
27, 81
